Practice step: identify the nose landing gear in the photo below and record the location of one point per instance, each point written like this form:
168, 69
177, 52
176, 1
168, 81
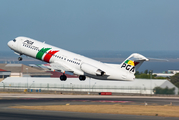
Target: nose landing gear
20, 58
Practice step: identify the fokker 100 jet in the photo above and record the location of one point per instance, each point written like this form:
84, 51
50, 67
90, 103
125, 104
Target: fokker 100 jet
62, 60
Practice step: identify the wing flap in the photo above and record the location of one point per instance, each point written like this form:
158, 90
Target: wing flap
58, 66
62, 67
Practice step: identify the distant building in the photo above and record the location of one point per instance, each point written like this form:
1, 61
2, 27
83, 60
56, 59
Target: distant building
139, 86
20, 70
168, 73
38, 78
4, 74
173, 71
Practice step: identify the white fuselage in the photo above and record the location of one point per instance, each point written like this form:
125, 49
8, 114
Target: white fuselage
76, 62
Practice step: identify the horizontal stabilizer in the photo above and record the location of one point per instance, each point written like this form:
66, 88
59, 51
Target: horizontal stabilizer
136, 57
156, 59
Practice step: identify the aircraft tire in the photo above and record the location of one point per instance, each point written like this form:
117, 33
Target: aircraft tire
20, 58
63, 77
82, 77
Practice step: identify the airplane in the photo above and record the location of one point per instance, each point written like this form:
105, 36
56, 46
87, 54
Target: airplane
63, 60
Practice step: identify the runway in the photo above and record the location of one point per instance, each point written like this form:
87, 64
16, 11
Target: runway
7, 100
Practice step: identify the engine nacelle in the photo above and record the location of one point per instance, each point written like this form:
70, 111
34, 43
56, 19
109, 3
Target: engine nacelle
92, 70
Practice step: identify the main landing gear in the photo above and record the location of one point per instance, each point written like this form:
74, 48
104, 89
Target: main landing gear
82, 77
63, 77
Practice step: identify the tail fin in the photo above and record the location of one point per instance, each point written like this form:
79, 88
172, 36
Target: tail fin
133, 62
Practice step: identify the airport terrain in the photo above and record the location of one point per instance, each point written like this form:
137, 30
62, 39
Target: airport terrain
9, 100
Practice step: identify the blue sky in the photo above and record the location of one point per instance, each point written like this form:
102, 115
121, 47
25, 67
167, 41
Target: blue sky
80, 25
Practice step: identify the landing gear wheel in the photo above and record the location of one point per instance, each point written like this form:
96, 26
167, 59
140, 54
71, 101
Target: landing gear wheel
82, 77
20, 58
63, 77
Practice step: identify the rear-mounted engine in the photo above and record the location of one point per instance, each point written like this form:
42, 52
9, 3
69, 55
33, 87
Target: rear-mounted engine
92, 70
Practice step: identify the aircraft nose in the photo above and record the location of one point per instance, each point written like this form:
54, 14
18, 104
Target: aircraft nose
9, 44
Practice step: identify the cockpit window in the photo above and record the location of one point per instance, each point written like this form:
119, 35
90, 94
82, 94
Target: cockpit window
14, 40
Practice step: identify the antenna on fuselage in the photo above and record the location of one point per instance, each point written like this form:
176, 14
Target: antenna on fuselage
44, 42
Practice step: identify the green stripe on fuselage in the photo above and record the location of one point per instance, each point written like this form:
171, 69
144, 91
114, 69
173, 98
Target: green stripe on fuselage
41, 53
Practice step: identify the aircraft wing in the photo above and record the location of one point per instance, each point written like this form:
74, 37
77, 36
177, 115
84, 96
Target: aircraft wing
58, 66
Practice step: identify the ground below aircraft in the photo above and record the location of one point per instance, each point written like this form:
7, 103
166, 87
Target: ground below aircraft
62, 60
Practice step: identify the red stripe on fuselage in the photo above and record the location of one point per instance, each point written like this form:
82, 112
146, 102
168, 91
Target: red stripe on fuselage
49, 55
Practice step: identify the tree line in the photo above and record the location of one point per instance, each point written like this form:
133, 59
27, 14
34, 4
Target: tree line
148, 75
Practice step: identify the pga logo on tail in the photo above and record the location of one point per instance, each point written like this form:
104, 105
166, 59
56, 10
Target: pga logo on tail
129, 65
